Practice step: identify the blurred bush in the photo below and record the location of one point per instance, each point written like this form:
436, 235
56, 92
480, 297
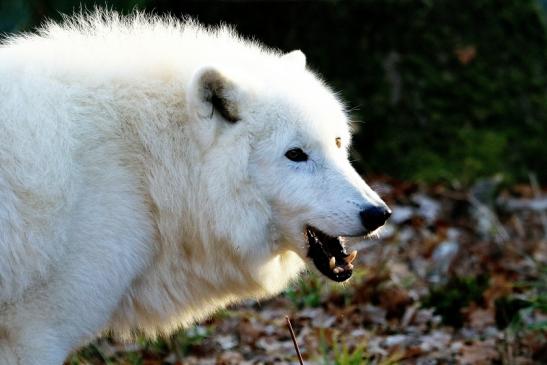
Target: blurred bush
446, 90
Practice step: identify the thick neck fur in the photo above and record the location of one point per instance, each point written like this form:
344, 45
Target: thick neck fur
199, 265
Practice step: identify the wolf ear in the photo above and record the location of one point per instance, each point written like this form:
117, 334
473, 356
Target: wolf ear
215, 93
295, 58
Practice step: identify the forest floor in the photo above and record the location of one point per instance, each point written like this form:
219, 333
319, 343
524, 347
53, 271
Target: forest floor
456, 277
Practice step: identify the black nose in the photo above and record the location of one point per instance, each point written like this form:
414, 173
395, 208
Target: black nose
374, 217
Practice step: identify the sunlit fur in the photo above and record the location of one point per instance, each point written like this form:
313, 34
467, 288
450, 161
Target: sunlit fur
127, 203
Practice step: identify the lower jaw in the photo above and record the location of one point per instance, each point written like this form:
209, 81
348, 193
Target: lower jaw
329, 255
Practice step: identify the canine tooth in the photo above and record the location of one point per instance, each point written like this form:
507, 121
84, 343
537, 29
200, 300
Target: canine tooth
337, 270
332, 262
351, 256
350, 266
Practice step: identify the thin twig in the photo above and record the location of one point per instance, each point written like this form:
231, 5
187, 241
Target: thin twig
294, 340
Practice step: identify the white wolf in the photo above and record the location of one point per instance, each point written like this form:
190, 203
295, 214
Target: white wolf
152, 171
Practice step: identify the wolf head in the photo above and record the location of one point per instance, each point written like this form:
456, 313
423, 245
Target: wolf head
282, 137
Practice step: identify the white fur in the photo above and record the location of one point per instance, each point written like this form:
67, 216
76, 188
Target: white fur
127, 204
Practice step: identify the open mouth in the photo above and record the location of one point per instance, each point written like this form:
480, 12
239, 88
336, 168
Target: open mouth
329, 255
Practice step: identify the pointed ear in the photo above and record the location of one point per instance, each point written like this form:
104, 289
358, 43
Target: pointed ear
215, 93
295, 58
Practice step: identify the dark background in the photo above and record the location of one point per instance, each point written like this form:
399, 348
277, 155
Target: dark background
445, 90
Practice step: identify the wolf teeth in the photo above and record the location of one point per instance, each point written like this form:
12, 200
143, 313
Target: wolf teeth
351, 257
337, 270
332, 262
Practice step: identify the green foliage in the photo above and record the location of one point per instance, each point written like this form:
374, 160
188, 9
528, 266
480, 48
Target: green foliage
336, 352
472, 93
342, 355
511, 311
508, 311
447, 90
185, 340
306, 291
458, 293
182, 343
310, 290
86, 354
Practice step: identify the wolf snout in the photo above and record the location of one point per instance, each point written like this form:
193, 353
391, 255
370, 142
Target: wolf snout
374, 217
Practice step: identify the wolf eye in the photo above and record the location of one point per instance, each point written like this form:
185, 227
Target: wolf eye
296, 155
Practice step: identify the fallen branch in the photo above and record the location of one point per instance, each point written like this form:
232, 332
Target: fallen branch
294, 340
